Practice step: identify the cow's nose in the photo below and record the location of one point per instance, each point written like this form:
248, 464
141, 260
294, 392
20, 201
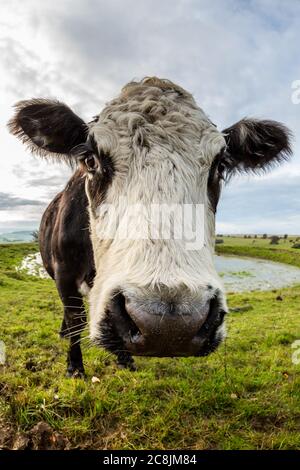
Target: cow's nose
160, 328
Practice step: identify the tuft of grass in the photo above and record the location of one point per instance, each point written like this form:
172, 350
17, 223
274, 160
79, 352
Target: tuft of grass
239, 274
244, 396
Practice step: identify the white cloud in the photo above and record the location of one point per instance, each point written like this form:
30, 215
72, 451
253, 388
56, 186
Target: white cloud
238, 58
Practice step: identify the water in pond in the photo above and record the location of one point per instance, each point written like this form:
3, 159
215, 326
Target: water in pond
238, 274
244, 274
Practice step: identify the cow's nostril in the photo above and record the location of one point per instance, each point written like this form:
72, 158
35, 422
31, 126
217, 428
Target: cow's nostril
172, 307
214, 318
134, 332
124, 324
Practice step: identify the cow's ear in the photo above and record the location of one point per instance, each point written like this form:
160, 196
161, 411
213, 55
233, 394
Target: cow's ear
254, 145
48, 127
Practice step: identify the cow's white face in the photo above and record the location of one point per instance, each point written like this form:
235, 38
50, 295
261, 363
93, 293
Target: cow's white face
161, 147
152, 152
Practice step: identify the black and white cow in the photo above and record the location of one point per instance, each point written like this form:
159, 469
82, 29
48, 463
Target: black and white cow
151, 145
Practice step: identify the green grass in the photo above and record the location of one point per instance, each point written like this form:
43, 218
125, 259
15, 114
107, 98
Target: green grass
244, 396
259, 248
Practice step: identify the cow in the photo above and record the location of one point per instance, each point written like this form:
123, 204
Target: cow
151, 145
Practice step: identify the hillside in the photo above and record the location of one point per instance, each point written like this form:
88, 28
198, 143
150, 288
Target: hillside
16, 237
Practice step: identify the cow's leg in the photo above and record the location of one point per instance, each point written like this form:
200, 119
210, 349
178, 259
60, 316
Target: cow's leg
73, 324
125, 361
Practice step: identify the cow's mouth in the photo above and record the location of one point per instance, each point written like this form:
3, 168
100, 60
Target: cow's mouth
161, 336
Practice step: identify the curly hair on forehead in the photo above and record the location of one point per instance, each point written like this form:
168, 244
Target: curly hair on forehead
162, 84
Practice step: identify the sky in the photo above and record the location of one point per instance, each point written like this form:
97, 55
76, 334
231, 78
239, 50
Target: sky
238, 57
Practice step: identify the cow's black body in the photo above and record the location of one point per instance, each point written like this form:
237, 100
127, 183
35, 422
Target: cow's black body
67, 255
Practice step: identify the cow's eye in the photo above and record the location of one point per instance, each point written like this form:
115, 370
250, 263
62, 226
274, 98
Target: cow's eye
90, 163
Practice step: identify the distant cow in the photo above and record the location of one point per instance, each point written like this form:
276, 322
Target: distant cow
149, 296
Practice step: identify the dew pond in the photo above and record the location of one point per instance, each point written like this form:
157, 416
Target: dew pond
245, 274
238, 274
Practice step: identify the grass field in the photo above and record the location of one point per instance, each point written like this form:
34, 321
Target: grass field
261, 248
244, 396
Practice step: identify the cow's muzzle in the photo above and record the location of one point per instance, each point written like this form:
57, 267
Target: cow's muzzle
158, 328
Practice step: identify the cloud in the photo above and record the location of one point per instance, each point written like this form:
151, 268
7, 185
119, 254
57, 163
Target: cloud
22, 65
237, 57
260, 205
7, 201
48, 181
